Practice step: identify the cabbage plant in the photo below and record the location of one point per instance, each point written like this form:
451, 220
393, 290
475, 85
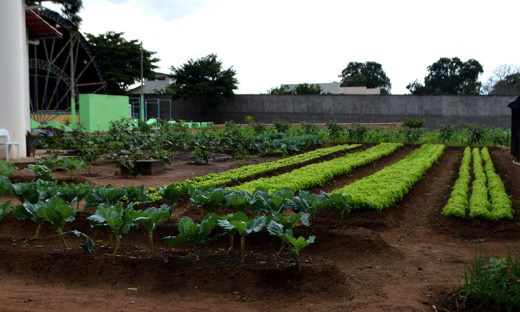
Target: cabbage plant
295, 244
194, 234
244, 226
116, 218
150, 219
58, 213
5, 209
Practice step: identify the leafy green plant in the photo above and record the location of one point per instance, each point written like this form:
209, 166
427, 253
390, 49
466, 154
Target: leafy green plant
104, 194
208, 199
474, 133
50, 162
357, 132
244, 226
74, 192
5, 209
295, 244
492, 283
447, 132
58, 213
334, 129
238, 200
342, 203
42, 172
413, 135
89, 244
287, 222
73, 164
135, 194
116, 218
89, 154
26, 192
282, 126
28, 211
172, 192
194, 234
309, 127
150, 219
7, 168
414, 123
308, 205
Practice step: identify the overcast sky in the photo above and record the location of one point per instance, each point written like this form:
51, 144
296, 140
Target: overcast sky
273, 42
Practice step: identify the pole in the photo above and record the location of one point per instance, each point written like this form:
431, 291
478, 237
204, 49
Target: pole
141, 103
72, 87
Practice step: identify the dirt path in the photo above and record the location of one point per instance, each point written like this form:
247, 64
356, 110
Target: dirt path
406, 258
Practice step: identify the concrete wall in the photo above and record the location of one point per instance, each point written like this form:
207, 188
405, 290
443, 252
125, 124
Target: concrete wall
491, 111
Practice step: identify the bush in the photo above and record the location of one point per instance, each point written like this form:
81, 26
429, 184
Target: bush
309, 128
282, 126
335, 130
414, 123
446, 132
357, 132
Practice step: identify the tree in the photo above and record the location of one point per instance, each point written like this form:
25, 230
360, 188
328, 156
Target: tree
205, 80
70, 8
120, 60
369, 74
505, 80
302, 88
450, 76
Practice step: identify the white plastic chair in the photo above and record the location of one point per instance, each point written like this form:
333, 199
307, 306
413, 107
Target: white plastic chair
8, 144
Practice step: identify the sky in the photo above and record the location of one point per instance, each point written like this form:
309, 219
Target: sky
274, 42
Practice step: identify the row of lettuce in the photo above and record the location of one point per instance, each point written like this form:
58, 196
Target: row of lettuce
487, 197
253, 205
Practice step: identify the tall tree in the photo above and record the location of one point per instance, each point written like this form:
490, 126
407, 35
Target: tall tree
69, 8
504, 80
120, 60
450, 76
369, 74
205, 80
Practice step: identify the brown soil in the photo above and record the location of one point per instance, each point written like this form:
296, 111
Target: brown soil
406, 258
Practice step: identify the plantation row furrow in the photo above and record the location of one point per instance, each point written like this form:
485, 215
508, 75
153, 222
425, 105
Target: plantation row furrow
388, 186
213, 179
317, 174
486, 185
458, 203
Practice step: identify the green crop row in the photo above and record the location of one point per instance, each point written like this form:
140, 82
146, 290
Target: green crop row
213, 179
479, 205
388, 186
317, 174
458, 203
501, 205
487, 184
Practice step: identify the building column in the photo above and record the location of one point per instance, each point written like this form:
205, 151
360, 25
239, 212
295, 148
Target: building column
14, 75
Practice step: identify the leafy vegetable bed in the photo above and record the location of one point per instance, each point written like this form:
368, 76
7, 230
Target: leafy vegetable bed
388, 186
486, 182
317, 174
213, 179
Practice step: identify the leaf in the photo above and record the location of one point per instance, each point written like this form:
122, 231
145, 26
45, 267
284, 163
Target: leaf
89, 244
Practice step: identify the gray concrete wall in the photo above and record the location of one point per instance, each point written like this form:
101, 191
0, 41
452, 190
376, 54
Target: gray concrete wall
491, 111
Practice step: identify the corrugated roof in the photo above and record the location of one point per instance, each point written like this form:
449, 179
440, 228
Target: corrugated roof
38, 27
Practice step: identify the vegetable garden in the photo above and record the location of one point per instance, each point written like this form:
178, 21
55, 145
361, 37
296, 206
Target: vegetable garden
254, 234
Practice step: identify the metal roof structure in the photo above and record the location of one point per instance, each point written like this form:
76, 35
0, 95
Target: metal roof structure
38, 28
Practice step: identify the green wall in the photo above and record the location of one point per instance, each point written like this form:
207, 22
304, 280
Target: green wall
96, 111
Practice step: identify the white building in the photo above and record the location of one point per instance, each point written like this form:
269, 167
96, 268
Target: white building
155, 85
334, 88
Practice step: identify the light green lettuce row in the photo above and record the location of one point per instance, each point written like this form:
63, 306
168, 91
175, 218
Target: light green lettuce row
386, 187
214, 179
501, 205
479, 206
458, 203
317, 174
